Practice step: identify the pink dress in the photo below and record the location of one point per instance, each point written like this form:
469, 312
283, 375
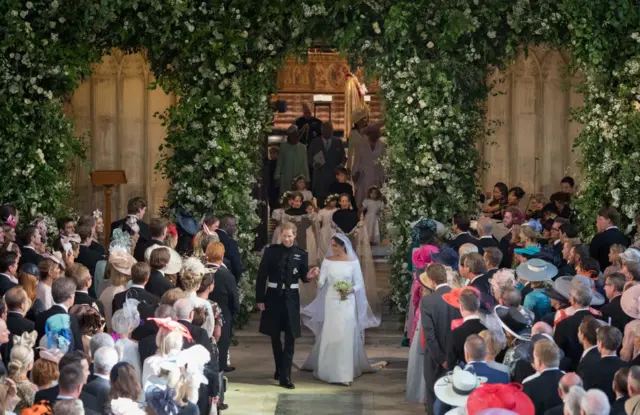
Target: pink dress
421, 257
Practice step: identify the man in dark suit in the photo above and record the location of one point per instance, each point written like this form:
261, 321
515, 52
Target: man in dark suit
461, 224
566, 332
277, 296
81, 276
508, 218
473, 268
475, 353
542, 387
8, 271
63, 292
567, 382
103, 361
30, 241
87, 256
613, 287
333, 153
147, 302
621, 390
601, 374
228, 228
485, 229
158, 228
588, 337
492, 258
136, 208
469, 310
76, 369
436, 317
609, 234
18, 304
158, 260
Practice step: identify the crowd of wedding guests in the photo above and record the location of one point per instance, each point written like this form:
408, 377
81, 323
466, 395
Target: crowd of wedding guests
131, 327
515, 312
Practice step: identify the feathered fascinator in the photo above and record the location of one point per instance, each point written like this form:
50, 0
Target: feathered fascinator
173, 326
193, 265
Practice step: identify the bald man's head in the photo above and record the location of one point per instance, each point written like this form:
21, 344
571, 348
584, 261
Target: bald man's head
567, 382
541, 328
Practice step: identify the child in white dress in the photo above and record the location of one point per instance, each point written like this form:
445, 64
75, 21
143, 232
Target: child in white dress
372, 207
278, 215
325, 216
300, 185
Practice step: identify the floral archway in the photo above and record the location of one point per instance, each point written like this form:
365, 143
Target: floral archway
432, 59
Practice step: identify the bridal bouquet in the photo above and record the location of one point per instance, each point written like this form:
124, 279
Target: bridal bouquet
343, 288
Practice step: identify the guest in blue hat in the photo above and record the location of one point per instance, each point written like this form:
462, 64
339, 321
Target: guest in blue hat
187, 228
537, 272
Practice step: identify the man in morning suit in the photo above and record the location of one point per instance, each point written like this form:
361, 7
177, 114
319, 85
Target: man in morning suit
588, 337
475, 351
613, 287
436, 317
147, 302
567, 382
486, 240
158, 228
542, 387
473, 268
103, 361
63, 292
31, 241
81, 276
87, 256
608, 234
492, 259
460, 224
566, 332
8, 271
18, 304
469, 310
601, 374
136, 208
278, 298
333, 153
158, 260
620, 388
226, 231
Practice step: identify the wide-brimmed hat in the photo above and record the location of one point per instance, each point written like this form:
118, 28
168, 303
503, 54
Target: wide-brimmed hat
453, 297
121, 260
551, 293
564, 284
630, 301
516, 321
508, 397
527, 251
455, 388
175, 261
446, 256
187, 222
55, 257
631, 254
358, 114
536, 270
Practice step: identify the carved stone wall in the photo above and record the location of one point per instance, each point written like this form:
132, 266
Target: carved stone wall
531, 147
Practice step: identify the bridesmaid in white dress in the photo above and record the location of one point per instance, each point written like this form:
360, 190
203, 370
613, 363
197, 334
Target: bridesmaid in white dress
325, 217
338, 355
373, 205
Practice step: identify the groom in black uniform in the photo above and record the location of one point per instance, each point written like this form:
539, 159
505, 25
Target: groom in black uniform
278, 298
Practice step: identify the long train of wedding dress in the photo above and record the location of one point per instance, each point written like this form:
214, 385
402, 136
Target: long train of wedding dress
338, 354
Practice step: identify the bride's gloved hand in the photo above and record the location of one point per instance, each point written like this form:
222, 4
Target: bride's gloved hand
313, 273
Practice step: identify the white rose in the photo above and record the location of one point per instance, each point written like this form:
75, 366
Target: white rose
430, 45
376, 28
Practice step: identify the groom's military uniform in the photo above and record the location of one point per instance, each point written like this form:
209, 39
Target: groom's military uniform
280, 270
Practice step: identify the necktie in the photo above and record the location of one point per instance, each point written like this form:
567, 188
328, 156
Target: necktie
327, 143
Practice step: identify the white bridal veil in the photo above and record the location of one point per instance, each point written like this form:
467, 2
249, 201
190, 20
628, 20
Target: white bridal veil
313, 314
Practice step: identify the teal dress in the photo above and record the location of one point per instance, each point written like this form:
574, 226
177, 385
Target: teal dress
538, 302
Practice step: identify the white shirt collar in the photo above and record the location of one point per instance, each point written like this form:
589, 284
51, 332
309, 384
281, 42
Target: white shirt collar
16, 312
550, 368
441, 285
82, 291
611, 227
65, 397
137, 286
473, 317
609, 355
556, 242
462, 233
160, 271
581, 309
475, 278
33, 249
587, 351
486, 237
64, 307
100, 375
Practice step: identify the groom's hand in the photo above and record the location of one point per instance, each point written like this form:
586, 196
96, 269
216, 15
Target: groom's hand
313, 273
260, 306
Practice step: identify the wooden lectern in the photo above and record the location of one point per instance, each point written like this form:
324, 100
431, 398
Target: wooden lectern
108, 179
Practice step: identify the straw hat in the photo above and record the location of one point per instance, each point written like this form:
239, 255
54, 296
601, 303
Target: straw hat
121, 260
358, 114
536, 270
455, 388
630, 301
175, 262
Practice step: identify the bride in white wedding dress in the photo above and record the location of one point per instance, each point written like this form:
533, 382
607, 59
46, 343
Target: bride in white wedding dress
338, 355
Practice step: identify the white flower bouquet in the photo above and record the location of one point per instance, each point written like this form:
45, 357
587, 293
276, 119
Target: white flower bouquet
343, 288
